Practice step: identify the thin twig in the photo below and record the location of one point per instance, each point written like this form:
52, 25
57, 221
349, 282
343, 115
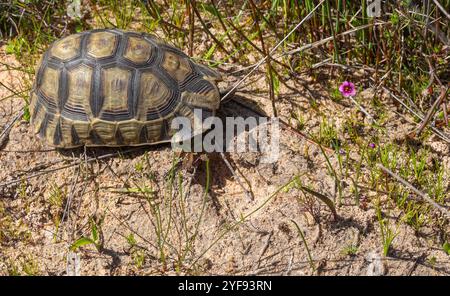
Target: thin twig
441, 8
444, 107
69, 200
432, 110
191, 27
5, 133
264, 249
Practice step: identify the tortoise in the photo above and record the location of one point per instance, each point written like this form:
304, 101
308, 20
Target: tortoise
110, 87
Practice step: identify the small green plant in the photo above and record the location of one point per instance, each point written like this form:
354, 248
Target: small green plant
12, 268
436, 185
343, 156
131, 240
30, 266
138, 257
350, 250
387, 233
299, 120
57, 196
16, 46
22, 190
95, 238
332, 172
389, 155
415, 214
25, 264
446, 248
328, 135
418, 163
335, 94
432, 261
137, 254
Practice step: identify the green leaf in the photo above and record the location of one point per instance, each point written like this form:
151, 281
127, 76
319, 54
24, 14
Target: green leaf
446, 247
94, 231
83, 241
210, 52
10, 47
26, 114
78, 27
300, 232
323, 198
131, 240
211, 9
276, 83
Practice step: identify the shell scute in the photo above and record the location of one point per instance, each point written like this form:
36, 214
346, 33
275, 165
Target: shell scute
102, 44
67, 48
137, 50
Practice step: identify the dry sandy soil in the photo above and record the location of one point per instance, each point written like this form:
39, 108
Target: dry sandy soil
43, 215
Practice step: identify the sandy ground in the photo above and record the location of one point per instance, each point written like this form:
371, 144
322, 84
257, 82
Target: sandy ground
42, 216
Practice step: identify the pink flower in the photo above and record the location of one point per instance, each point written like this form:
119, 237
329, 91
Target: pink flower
347, 89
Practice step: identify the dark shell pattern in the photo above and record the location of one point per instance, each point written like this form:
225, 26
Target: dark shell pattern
117, 88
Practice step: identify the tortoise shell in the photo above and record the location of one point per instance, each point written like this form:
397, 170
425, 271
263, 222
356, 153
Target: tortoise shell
117, 88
